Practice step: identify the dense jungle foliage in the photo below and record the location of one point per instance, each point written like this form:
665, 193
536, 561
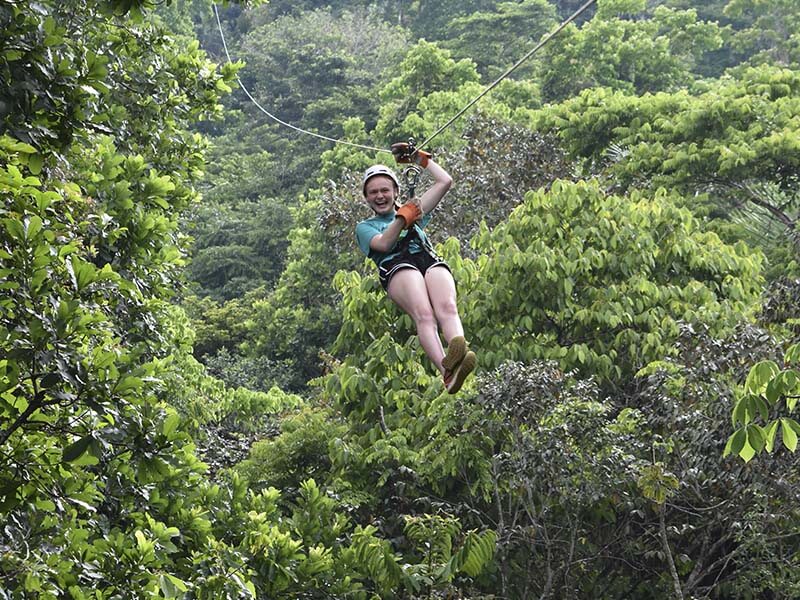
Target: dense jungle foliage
205, 393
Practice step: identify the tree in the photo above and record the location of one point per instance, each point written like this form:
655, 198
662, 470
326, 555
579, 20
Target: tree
300, 316
497, 164
96, 163
765, 34
239, 247
294, 62
735, 142
107, 255
425, 69
621, 50
687, 402
431, 20
495, 40
101, 491
592, 490
601, 283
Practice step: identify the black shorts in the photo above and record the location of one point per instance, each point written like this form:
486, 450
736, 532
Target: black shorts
421, 261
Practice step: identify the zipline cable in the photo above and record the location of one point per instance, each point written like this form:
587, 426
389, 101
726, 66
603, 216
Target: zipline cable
273, 117
494, 84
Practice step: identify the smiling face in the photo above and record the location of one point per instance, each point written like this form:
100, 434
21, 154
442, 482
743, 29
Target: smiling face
380, 193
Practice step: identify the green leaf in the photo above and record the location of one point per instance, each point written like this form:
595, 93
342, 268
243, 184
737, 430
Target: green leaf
735, 442
774, 390
760, 375
49, 25
740, 411
476, 553
789, 434
76, 449
770, 433
171, 586
50, 380
747, 452
760, 406
17, 402
127, 383
783, 384
8, 143
35, 162
755, 437
8, 494
45, 199
170, 424
792, 354
85, 272
14, 228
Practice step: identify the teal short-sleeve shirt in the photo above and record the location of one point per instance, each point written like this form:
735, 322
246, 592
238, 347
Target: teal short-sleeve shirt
369, 228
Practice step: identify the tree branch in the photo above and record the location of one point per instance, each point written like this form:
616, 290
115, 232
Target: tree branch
662, 529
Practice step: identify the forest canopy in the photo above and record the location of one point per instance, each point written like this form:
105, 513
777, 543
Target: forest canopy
206, 393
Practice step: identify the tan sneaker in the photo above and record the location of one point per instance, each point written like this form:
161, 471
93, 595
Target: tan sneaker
455, 379
456, 351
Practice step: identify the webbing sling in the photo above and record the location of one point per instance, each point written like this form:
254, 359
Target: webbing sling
403, 245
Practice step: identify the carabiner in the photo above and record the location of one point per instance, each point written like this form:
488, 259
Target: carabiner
410, 180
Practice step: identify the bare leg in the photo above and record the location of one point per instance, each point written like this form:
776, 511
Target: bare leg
442, 294
407, 289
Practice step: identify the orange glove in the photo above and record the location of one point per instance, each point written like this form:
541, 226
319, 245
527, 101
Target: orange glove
403, 154
410, 213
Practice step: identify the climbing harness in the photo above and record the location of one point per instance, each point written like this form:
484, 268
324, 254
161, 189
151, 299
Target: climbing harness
413, 235
489, 88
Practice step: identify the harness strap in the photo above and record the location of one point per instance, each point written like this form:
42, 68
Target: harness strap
413, 234
403, 244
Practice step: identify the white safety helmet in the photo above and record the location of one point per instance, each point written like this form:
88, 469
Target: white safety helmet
378, 170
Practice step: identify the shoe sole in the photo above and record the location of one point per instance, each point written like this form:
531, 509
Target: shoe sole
456, 350
465, 368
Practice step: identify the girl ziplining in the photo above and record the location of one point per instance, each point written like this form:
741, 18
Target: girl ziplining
414, 277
